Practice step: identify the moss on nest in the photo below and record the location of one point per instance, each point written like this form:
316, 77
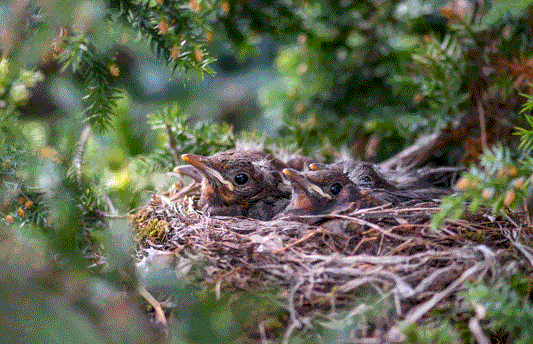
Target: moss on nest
153, 229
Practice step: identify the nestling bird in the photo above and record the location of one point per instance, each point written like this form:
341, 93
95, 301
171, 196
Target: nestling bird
241, 183
295, 161
320, 192
397, 187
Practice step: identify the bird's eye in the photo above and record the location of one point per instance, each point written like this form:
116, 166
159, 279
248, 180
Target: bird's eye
335, 188
366, 180
241, 178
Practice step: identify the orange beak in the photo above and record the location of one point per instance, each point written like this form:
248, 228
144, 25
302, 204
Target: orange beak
317, 166
305, 184
202, 164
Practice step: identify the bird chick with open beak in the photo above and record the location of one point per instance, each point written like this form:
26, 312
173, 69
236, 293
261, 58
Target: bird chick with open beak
241, 183
324, 191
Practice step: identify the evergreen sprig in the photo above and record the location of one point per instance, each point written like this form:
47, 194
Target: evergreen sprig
176, 32
526, 134
22, 203
438, 72
181, 136
500, 183
100, 97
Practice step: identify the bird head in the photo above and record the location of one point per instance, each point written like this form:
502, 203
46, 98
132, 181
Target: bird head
235, 176
307, 197
321, 191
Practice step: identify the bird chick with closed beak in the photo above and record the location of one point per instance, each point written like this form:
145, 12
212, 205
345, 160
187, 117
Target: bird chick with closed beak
395, 187
324, 191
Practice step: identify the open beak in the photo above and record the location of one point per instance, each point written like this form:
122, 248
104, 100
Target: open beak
201, 163
189, 171
305, 184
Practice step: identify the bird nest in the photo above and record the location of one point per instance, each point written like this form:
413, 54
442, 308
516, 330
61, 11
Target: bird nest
316, 264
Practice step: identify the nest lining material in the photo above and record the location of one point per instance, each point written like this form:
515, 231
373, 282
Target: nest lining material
317, 261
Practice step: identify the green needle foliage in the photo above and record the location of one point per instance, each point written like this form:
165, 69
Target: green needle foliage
509, 313
174, 30
501, 182
179, 135
100, 97
526, 134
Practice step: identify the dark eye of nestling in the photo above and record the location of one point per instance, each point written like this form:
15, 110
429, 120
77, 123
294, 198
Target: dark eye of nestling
241, 178
366, 180
335, 188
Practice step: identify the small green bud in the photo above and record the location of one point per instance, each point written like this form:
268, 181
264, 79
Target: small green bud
19, 93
